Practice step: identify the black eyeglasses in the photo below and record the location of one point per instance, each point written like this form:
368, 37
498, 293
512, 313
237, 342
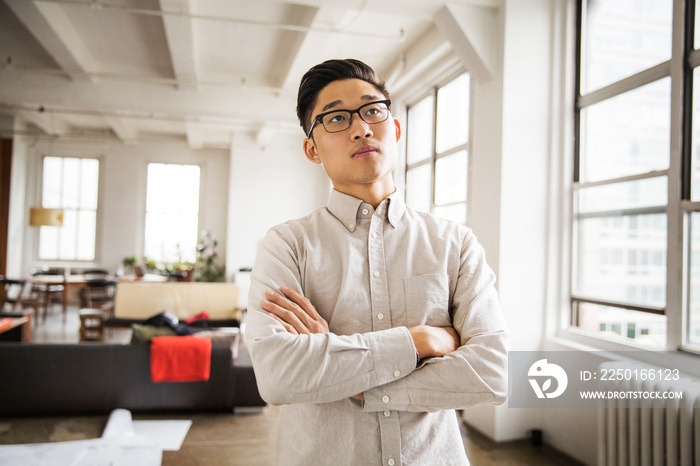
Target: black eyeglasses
336, 121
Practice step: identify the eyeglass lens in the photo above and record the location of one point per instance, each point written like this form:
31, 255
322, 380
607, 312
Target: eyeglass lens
375, 112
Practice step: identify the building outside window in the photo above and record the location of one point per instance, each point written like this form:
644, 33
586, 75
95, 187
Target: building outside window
437, 151
70, 184
636, 186
172, 212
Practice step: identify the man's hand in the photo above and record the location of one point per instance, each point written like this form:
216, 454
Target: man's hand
434, 341
294, 311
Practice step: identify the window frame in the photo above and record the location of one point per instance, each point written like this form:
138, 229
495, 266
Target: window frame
98, 210
432, 90
144, 212
679, 68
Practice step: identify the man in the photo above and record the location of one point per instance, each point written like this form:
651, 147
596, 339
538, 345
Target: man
368, 321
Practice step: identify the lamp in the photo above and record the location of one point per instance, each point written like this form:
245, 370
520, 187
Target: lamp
41, 216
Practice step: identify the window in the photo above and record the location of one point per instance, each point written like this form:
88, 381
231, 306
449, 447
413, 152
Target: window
172, 212
437, 141
70, 184
636, 186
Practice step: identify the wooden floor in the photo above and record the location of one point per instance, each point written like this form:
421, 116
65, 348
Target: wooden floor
229, 439
247, 439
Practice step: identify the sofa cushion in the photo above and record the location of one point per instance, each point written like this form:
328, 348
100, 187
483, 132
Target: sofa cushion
144, 333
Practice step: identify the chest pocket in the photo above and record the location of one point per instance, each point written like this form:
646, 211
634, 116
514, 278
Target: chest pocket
428, 300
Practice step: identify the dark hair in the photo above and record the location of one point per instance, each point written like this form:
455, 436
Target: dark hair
325, 73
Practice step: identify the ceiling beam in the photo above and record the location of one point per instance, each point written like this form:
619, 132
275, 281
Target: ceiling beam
54, 31
123, 128
195, 135
470, 30
49, 123
180, 37
293, 68
264, 135
421, 64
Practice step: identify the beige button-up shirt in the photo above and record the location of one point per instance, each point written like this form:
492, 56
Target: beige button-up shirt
372, 275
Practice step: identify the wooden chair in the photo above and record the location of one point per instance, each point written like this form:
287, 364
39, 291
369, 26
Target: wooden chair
48, 293
12, 296
98, 294
97, 303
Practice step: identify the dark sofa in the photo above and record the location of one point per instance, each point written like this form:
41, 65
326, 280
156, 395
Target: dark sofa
95, 378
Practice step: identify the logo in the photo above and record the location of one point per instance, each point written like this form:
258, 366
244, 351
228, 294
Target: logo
543, 370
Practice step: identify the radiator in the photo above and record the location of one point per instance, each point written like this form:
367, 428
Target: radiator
649, 432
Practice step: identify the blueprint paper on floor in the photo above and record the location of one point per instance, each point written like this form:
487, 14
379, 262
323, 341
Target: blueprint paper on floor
124, 442
168, 435
133, 451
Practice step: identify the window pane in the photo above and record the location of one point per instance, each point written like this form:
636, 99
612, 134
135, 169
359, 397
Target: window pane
629, 195
172, 209
157, 187
451, 178
453, 114
51, 184
68, 234
627, 134
694, 285
89, 177
455, 212
640, 327
48, 243
71, 183
87, 222
697, 24
622, 259
418, 188
171, 238
622, 38
420, 130
695, 154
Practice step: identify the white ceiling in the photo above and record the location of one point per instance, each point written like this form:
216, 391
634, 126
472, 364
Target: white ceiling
204, 71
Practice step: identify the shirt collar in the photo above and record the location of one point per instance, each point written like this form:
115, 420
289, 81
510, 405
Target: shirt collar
347, 208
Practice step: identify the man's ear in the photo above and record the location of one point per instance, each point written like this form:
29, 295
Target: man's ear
398, 129
310, 150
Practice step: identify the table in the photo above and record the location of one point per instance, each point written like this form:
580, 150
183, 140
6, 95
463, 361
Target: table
80, 281
19, 330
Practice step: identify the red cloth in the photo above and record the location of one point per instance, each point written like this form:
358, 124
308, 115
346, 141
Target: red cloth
180, 359
201, 316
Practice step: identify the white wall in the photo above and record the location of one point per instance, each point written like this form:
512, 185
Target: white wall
269, 186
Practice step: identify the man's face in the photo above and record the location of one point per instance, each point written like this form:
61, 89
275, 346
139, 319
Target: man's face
361, 157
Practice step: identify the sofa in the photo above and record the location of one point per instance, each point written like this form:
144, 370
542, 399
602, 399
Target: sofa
141, 300
94, 378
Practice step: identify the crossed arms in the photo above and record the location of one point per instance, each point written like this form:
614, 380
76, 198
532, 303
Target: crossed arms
298, 316
298, 360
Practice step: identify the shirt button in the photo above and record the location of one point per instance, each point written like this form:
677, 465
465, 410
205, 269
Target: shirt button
376, 273
387, 413
390, 462
351, 226
385, 399
374, 234
365, 211
397, 373
380, 316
